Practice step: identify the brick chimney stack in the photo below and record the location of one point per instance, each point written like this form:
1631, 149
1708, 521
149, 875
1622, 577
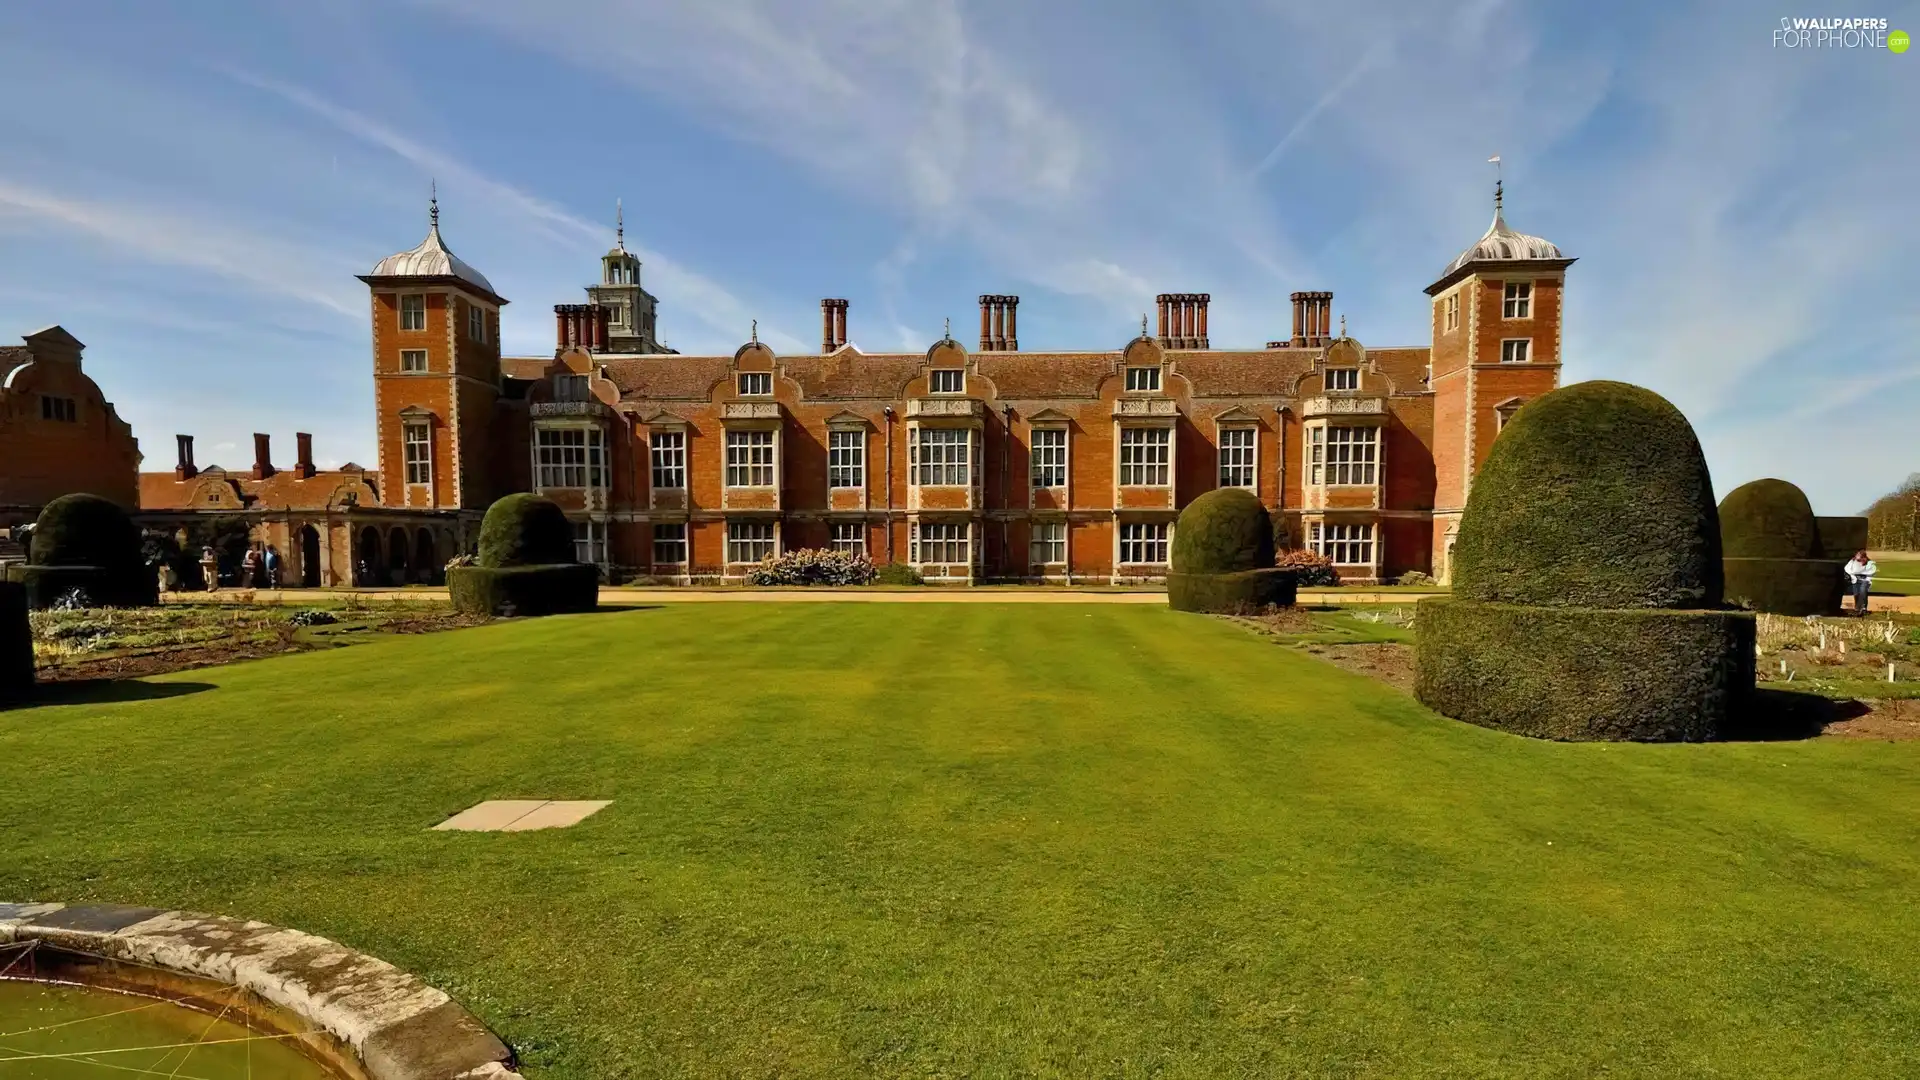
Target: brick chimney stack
262, 457
1312, 319
1183, 320
303, 444
833, 324
999, 323
582, 326
185, 469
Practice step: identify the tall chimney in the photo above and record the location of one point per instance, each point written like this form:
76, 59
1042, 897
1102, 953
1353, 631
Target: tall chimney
1201, 300
1013, 329
986, 322
999, 323
262, 457
1299, 320
185, 469
1326, 317
303, 448
833, 324
559, 327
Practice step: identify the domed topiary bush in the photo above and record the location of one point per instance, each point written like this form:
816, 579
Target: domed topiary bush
1773, 557
1223, 556
16, 645
526, 564
87, 543
525, 530
1587, 581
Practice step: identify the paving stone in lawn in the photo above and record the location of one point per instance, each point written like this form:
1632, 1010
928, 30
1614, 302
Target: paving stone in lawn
520, 815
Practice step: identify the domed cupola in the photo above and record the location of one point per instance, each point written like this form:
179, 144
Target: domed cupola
431, 259
1503, 244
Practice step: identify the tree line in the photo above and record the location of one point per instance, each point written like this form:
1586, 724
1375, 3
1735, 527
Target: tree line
1893, 521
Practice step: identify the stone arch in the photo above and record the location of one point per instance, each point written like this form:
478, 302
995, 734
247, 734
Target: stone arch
397, 546
307, 544
368, 559
426, 564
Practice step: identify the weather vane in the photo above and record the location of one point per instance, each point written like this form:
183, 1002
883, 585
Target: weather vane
947, 334
756, 331
433, 202
1143, 324
1343, 326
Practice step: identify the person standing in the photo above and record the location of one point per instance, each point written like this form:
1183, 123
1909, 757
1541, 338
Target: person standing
271, 561
249, 567
210, 568
1860, 571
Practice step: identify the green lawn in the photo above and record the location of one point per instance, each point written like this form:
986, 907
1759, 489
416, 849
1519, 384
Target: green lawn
1896, 577
1000, 841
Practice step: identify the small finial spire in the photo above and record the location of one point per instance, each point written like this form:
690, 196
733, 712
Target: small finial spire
756, 331
433, 204
1495, 162
947, 333
1143, 324
619, 225
1343, 325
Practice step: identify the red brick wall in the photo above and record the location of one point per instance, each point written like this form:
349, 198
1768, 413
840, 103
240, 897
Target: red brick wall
43, 459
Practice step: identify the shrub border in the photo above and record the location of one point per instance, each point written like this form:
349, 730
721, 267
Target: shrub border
1584, 674
1239, 593
552, 589
1786, 586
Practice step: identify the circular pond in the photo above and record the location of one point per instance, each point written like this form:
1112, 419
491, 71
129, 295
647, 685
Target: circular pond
60, 1031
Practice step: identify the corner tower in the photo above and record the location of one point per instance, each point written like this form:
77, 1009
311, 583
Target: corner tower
630, 327
436, 376
1496, 346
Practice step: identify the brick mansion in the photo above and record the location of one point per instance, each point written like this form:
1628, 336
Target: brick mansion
971, 461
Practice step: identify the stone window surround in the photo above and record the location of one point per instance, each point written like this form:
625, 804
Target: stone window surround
1516, 300
1319, 443
1141, 445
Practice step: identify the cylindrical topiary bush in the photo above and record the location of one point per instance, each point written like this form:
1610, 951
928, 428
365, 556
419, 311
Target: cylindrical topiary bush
86, 544
1587, 595
16, 645
1223, 557
1773, 552
526, 564
1840, 537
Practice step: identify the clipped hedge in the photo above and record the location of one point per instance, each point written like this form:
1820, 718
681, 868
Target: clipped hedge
1786, 586
135, 586
1595, 495
525, 530
1840, 537
1575, 674
1224, 531
16, 645
85, 530
553, 589
1768, 519
1241, 593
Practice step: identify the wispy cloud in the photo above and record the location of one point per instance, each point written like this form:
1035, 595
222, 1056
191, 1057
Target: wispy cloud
703, 298
169, 236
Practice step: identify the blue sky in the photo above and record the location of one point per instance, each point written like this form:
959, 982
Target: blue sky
190, 187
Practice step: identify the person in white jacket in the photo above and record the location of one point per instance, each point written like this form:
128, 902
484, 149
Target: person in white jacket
1860, 571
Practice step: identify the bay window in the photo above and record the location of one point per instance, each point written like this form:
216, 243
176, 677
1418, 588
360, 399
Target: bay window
569, 457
